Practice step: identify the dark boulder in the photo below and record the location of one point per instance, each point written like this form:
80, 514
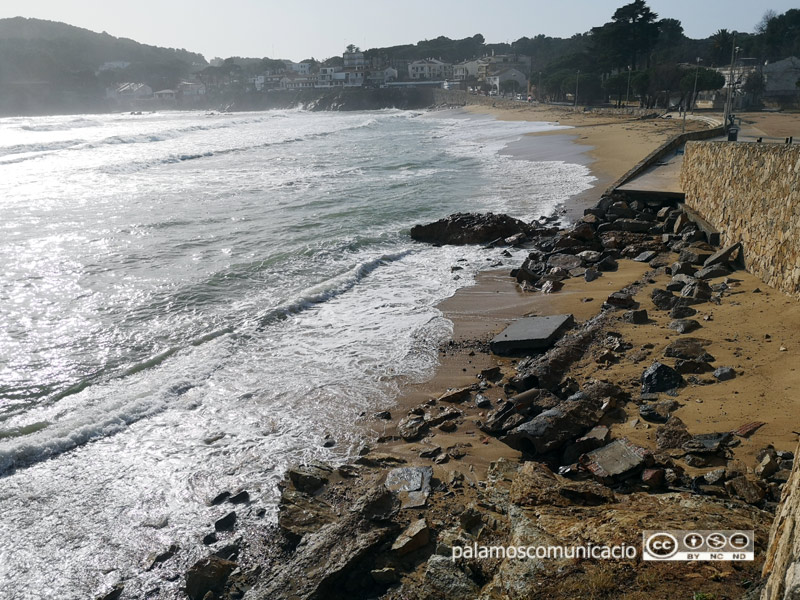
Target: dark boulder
660, 378
689, 349
208, 575
470, 228
724, 373
663, 299
684, 325
712, 271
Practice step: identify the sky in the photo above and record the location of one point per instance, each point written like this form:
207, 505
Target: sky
297, 30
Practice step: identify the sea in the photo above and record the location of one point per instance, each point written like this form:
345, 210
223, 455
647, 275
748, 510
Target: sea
190, 302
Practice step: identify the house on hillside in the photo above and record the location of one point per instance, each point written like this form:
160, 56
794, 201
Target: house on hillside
430, 68
295, 81
490, 65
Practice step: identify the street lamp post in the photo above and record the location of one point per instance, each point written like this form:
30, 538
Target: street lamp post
694, 91
628, 91
729, 99
577, 77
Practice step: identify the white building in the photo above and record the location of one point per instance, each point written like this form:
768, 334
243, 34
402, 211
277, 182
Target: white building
300, 68
465, 70
781, 77
497, 80
430, 68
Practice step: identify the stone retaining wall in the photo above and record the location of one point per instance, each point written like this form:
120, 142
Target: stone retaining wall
750, 193
782, 565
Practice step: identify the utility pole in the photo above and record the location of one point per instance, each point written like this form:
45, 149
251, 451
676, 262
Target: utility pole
577, 77
628, 91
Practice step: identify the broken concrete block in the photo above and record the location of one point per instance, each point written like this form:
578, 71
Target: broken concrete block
531, 333
614, 460
411, 485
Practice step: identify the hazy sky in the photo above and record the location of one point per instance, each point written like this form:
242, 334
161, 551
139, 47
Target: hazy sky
298, 29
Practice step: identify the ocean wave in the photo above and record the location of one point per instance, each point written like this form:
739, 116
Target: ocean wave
40, 147
72, 124
329, 289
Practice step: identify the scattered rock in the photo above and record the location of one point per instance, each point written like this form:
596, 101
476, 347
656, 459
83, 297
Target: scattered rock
411, 427
767, 467
682, 311
684, 325
663, 299
443, 580
689, 349
607, 264
707, 443
724, 373
698, 291
456, 395
713, 271
564, 261
226, 523
653, 478
646, 256
208, 575
672, 434
242, 497
660, 378
621, 300
413, 538
692, 367
591, 274
724, 256
682, 268
742, 487
309, 478
637, 317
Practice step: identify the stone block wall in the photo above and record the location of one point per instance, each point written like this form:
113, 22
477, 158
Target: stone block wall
751, 194
782, 564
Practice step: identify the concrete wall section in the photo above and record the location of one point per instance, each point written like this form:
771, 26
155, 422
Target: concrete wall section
750, 193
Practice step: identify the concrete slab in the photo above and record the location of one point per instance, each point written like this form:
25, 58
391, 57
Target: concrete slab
531, 333
616, 459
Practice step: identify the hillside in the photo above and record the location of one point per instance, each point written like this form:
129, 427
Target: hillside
46, 65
